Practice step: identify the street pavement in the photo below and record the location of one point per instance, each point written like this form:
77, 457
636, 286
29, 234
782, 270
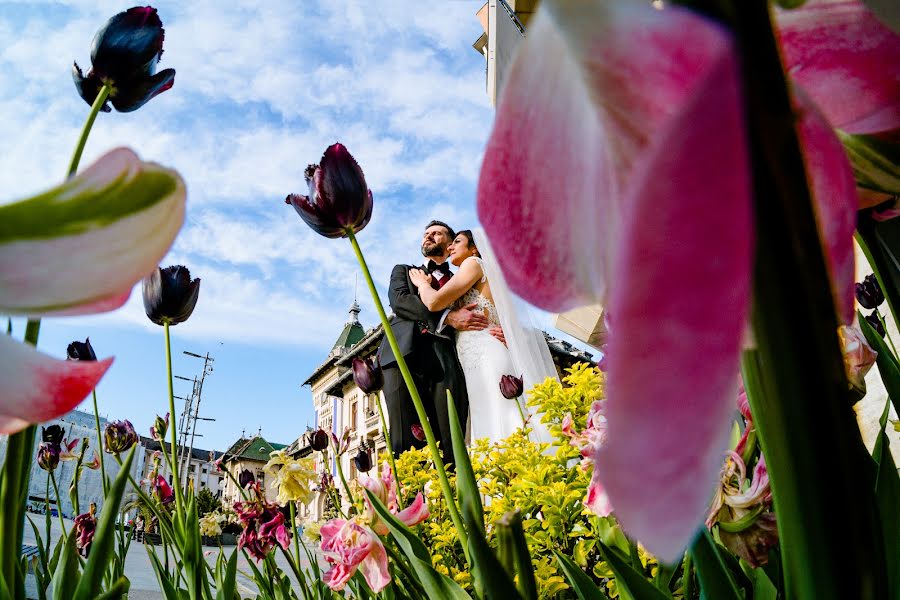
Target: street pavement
138, 569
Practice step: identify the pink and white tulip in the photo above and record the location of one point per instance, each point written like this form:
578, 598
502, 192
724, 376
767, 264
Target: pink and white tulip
618, 173
385, 489
78, 248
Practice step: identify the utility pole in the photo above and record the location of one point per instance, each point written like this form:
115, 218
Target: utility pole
191, 421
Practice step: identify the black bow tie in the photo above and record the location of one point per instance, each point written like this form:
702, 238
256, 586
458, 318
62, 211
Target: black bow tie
432, 266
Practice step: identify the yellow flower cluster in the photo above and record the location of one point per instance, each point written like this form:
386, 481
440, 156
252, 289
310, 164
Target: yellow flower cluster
211, 524
292, 478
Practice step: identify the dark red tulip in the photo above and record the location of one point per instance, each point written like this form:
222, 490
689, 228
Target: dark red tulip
363, 461
84, 526
81, 351
418, 432
868, 293
511, 386
246, 478
124, 55
339, 199
367, 375
318, 440
170, 295
52, 434
875, 322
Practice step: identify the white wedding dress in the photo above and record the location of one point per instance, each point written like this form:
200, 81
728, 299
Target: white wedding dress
484, 360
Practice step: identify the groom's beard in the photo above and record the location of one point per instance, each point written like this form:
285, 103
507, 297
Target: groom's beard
434, 250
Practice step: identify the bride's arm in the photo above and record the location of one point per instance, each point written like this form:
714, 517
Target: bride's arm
469, 273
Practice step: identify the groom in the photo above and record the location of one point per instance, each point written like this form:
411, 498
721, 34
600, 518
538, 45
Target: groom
426, 342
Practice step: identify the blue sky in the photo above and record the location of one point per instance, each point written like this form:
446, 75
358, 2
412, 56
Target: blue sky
261, 89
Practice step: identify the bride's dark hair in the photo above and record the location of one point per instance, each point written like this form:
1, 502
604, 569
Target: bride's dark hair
471, 245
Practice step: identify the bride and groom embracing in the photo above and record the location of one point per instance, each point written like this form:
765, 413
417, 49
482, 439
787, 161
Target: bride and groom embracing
459, 332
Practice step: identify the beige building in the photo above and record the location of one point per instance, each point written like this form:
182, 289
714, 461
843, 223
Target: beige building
202, 472
249, 454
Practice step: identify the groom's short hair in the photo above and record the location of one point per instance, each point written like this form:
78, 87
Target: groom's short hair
444, 225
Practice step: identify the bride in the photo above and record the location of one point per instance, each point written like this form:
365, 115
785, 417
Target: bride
484, 358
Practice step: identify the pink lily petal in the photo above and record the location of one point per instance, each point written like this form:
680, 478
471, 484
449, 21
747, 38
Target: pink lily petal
415, 513
618, 155
35, 387
835, 197
846, 60
374, 566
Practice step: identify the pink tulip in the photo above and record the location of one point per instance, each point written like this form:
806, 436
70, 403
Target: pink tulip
348, 546
618, 173
385, 489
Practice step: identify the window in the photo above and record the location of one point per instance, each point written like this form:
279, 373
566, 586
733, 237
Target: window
353, 412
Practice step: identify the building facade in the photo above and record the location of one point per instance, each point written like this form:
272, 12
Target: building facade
247, 454
200, 470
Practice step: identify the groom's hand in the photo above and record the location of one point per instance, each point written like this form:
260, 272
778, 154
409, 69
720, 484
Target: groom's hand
466, 319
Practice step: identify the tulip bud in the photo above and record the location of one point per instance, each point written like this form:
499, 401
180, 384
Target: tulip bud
52, 434
120, 436
48, 456
511, 387
875, 322
418, 432
868, 293
362, 461
245, 478
160, 427
367, 375
169, 295
339, 200
81, 350
318, 440
85, 525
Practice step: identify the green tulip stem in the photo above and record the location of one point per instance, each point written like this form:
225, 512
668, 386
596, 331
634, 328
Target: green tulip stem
100, 445
176, 482
387, 441
62, 522
99, 101
332, 490
521, 412
414, 394
687, 576
294, 530
887, 333
340, 471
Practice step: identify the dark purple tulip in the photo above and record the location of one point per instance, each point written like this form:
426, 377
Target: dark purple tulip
511, 386
48, 456
367, 375
339, 199
362, 461
119, 436
124, 54
53, 434
169, 295
418, 432
160, 427
875, 322
868, 293
318, 440
81, 351
245, 478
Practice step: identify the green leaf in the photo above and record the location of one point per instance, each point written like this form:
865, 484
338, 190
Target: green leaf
880, 242
104, 536
491, 579
165, 582
225, 589
631, 583
436, 585
583, 585
117, 590
763, 588
514, 554
66, 575
716, 580
888, 367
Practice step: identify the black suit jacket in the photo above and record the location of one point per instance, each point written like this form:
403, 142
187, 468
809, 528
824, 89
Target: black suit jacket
413, 324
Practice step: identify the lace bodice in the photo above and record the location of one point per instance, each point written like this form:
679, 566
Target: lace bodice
474, 296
